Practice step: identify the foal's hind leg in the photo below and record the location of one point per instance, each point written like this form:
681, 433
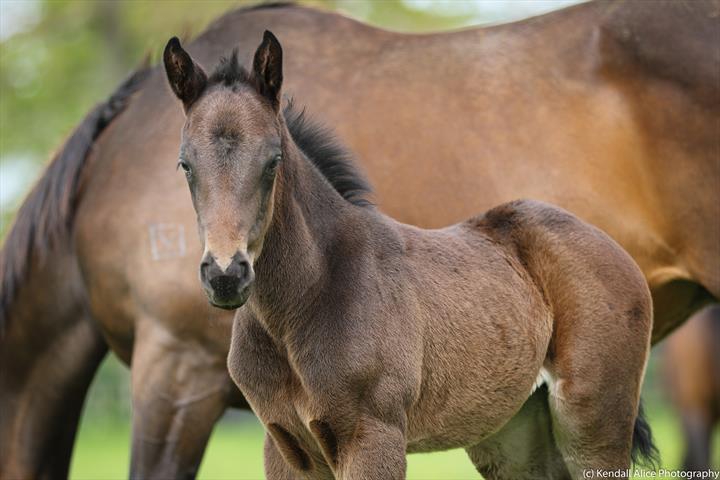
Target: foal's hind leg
179, 391
594, 371
524, 448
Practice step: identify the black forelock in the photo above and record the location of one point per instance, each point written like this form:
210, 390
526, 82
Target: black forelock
316, 141
229, 71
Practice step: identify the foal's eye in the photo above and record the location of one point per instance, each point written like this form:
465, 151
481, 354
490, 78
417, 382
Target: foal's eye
186, 168
272, 165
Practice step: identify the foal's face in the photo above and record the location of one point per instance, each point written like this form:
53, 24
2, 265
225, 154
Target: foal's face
230, 153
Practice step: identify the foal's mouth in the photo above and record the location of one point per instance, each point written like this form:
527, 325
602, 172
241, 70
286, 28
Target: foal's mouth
230, 304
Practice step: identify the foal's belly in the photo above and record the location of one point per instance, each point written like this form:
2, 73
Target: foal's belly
480, 365
469, 418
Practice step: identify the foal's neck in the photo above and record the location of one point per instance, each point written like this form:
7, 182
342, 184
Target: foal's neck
311, 226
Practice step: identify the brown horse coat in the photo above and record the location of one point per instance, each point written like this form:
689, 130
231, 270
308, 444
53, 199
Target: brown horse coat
364, 338
608, 109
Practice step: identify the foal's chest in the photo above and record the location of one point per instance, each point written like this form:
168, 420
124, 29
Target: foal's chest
280, 400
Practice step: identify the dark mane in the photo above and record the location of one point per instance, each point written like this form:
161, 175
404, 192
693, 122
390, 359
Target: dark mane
329, 156
316, 141
45, 218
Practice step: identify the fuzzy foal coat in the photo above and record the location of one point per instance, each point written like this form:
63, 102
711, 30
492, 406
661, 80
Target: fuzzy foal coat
363, 338
379, 338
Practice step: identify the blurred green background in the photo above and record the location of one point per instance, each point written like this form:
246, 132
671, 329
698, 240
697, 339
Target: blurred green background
58, 58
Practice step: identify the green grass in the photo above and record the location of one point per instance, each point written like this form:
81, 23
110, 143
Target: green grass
235, 451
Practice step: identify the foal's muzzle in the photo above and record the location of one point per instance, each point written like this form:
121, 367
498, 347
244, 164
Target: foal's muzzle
228, 288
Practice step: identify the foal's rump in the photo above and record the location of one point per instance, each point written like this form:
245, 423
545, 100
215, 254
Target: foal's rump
529, 291
571, 262
581, 272
602, 319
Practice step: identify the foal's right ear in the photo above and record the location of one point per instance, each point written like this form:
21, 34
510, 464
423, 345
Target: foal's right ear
187, 79
267, 69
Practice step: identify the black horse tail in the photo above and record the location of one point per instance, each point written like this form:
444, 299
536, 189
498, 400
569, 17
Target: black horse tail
45, 218
644, 452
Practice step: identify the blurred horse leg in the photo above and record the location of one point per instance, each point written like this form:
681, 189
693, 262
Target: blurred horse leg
49, 346
697, 430
179, 391
41, 413
691, 370
49, 353
524, 448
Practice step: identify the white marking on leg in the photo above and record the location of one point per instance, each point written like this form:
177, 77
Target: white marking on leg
543, 376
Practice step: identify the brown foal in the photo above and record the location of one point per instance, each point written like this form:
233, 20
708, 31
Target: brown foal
608, 109
363, 338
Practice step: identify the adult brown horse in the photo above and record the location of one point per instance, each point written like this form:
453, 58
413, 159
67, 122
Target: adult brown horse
365, 338
607, 109
691, 373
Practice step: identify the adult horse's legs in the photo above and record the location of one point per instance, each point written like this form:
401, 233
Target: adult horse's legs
524, 448
691, 369
49, 353
88, 349
698, 434
179, 391
41, 412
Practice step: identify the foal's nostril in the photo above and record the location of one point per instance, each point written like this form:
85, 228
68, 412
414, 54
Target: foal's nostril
204, 268
239, 268
225, 286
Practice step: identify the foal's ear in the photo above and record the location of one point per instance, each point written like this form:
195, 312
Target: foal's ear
267, 69
187, 79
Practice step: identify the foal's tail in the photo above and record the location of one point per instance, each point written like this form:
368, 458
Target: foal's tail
644, 452
45, 218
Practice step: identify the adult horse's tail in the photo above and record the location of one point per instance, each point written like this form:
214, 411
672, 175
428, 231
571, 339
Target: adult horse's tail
49, 346
45, 218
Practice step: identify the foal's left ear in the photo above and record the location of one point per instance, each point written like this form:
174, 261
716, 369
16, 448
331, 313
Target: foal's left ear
187, 79
267, 69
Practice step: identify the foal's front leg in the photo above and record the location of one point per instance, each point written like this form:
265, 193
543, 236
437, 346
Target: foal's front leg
375, 452
276, 468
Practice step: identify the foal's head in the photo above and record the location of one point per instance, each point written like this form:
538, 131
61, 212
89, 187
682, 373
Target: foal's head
231, 151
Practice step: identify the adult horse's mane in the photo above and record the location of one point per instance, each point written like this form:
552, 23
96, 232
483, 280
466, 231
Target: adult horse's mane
45, 218
317, 142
